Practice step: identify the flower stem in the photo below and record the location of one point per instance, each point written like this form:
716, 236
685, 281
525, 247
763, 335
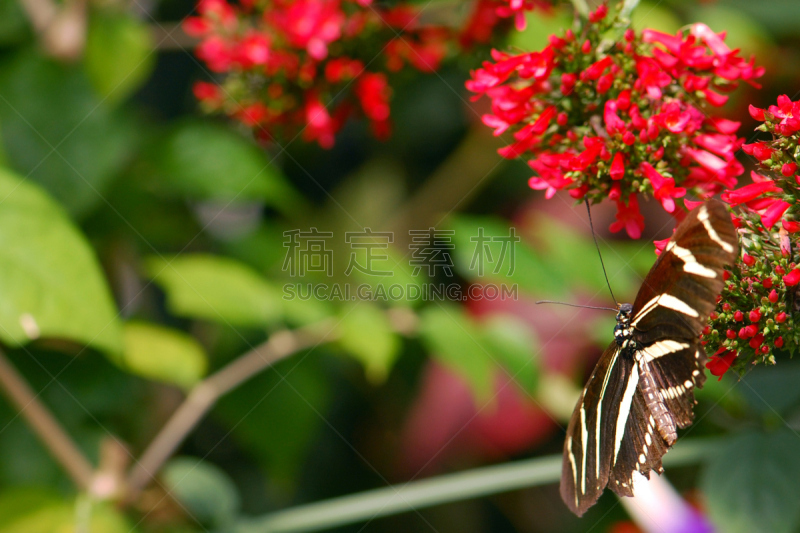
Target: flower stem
44, 424
416, 495
206, 393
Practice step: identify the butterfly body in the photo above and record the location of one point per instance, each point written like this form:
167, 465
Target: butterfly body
642, 388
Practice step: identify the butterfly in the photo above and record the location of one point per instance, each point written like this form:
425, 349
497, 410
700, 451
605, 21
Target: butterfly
642, 388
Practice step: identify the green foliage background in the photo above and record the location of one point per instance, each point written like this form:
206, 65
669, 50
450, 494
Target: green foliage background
141, 249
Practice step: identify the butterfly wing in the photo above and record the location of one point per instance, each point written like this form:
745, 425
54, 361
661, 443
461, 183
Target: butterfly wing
587, 449
681, 289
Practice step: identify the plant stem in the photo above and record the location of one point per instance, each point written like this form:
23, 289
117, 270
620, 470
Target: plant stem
44, 424
416, 495
206, 393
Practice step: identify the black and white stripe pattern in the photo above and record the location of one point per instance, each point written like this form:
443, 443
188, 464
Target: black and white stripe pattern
642, 389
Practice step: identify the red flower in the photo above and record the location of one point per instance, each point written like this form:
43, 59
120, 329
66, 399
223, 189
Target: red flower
790, 225
308, 24
792, 278
749, 192
617, 170
774, 212
721, 361
761, 150
629, 217
374, 92
320, 126
661, 245
664, 188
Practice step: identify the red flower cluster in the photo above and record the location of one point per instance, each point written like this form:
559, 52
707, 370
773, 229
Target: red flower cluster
301, 65
614, 120
755, 313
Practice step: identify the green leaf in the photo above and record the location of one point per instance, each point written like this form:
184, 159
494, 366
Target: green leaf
206, 491
654, 16
367, 335
538, 28
215, 288
752, 483
163, 354
119, 54
481, 257
512, 344
14, 25
453, 339
50, 282
19, 502
62, 516
57, 132
771, 391
206, 161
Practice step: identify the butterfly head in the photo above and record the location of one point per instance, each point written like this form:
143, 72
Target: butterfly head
622, 330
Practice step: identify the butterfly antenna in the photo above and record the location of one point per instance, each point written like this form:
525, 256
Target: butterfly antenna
594, 237
576, 305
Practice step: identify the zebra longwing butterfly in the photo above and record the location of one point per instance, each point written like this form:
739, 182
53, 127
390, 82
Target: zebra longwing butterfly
642, 388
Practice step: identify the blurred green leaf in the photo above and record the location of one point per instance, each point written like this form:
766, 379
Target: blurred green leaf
655, 16
772, 390
62, 516
367, 335
276, 415
14, 26
215, 288
572, 258
163, 354
752, 483
454, 340
20, 502
50, 282
556, 268
779, 17
389, 275
57, 132
119, 54
203, 160
539, 27
476, 256
512, 344
741, 31
207, 492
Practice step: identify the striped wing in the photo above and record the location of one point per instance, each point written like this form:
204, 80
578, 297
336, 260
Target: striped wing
591, 433
626, 417
681, 289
